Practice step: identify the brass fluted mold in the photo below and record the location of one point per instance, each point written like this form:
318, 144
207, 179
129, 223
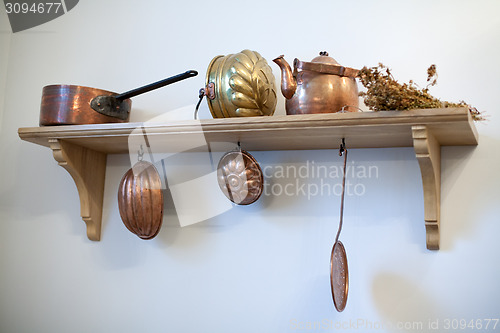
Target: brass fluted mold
240, 85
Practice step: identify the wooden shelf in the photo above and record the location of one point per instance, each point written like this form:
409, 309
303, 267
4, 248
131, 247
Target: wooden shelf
79, 148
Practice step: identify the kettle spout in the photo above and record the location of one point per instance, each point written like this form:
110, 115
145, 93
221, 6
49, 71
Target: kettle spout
288, 82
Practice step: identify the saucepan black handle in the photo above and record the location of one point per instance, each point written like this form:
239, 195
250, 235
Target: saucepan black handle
155, 85
115, 106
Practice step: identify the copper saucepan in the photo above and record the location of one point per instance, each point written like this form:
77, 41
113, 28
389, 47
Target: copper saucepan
76, 105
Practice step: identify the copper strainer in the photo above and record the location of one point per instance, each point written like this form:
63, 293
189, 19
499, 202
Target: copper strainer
339, 274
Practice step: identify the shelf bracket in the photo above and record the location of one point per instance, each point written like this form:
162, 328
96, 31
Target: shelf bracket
87, 167
428, 152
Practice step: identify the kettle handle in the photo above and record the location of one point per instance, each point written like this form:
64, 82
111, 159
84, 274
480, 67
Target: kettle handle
325, 68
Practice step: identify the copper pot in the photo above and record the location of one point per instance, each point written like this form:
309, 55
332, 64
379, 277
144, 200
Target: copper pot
70, 105
76, 105
319, 86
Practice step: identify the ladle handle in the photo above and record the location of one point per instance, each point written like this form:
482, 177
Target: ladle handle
342, 151
155, 85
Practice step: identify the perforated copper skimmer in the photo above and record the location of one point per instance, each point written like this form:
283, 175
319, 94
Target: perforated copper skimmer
339, 274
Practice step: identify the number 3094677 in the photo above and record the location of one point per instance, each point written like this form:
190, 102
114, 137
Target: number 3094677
36, 8
478, 324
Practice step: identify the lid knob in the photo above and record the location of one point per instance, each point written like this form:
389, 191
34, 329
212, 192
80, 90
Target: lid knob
323, 53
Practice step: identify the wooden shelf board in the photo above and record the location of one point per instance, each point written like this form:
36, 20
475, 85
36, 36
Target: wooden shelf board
451, 126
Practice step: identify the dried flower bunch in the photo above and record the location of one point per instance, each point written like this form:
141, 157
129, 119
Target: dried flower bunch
385, 93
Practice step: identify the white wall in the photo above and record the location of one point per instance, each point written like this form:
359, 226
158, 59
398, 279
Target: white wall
265, 267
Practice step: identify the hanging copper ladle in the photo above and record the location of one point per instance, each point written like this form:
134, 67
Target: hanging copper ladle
339, 274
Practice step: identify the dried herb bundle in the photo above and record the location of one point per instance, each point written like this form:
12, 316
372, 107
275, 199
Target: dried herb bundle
385, 93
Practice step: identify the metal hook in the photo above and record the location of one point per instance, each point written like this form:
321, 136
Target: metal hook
201, 94
342, 148
140, 154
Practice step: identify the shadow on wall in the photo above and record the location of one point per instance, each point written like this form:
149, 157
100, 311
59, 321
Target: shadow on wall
464, 196
403, 305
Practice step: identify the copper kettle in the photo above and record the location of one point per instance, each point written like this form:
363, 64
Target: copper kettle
319, 86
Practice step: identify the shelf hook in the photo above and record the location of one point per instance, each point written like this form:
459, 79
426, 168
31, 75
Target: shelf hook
140, 154
342, 148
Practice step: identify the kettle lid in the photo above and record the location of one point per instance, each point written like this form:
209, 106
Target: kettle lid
325, 59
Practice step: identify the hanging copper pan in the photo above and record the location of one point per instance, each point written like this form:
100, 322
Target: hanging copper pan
76, 105
240, 177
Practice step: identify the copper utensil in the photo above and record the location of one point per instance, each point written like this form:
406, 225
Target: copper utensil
239, 85
339, 274
140, 200
240, 177
75, 105
319, 86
